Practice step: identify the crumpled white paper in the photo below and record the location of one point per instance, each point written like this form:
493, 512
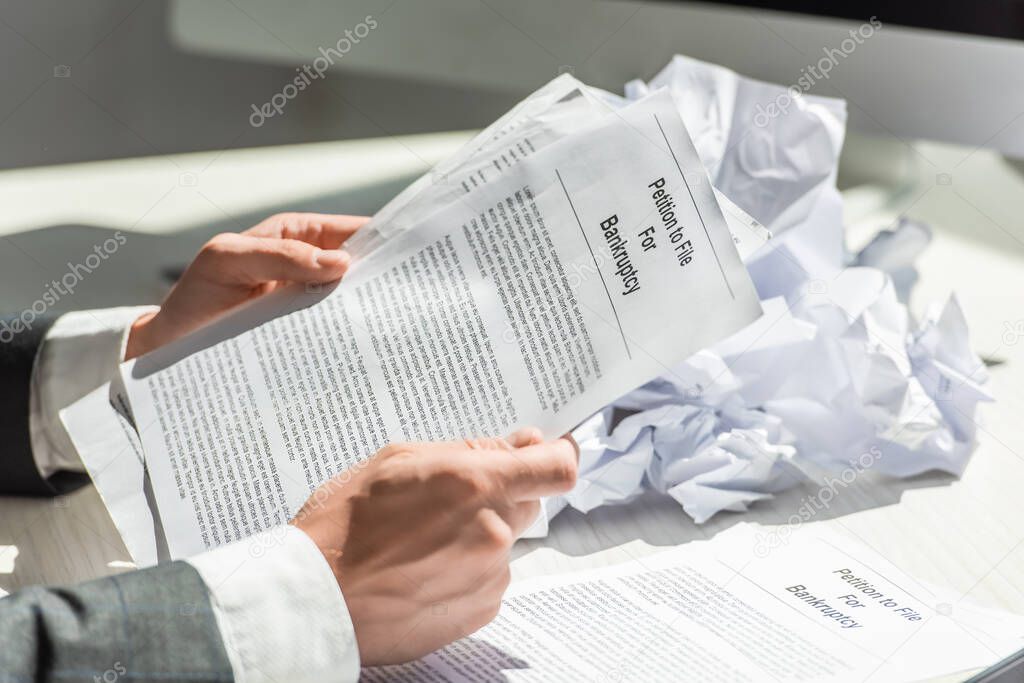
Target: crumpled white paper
835, 376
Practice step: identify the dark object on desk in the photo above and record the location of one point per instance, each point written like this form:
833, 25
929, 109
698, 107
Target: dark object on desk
994, 19
1010, 670
20, 338
171, 274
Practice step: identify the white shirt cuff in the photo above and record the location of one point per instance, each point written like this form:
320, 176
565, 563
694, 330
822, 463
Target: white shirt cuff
281, 614
80, 352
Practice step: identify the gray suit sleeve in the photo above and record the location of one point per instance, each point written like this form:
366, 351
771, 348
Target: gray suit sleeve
150, 625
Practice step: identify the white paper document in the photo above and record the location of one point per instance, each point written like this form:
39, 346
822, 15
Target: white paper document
575, 275
819, 609
100, 428
563, 106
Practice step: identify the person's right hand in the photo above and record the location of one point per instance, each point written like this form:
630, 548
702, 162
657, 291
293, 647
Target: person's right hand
419, 536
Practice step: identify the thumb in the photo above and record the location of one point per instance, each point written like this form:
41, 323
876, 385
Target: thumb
543, 469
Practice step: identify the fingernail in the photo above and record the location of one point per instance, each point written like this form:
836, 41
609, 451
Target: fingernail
516, 435
523, 436
332, 258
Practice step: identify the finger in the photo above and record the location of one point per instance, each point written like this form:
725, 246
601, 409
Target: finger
572, 442
473, 605
490, 533
327, 231
521, 516
469, 555
527, 436
251, 261
487, 444
544, 469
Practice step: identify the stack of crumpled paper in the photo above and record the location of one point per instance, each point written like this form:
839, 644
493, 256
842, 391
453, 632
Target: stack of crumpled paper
836, 377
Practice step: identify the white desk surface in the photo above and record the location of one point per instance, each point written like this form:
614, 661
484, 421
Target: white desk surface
967, 534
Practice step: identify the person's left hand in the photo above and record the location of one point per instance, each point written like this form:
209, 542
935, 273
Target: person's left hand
233, 268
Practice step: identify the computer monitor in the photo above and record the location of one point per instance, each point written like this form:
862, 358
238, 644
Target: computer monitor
939, 70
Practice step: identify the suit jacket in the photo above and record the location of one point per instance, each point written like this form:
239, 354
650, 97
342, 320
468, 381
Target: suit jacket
151, 625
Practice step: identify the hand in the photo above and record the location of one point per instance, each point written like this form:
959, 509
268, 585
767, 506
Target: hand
233, 268
419, 536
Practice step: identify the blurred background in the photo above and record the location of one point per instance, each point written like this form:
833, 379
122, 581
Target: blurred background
176, 119
103, 79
